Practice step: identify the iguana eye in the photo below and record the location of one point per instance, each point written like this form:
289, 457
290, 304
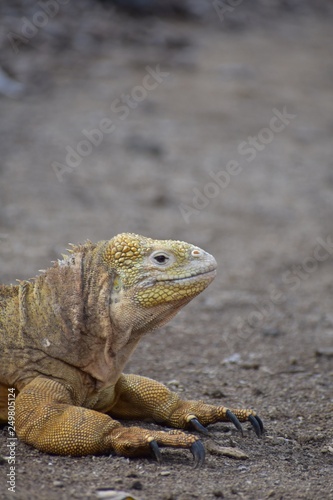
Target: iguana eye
160, 258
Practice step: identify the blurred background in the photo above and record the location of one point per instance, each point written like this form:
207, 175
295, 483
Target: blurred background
221, 68
206, 121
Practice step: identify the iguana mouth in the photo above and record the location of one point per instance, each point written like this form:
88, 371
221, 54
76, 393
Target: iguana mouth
211, 272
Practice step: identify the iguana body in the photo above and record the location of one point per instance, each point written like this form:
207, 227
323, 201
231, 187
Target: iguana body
66, 336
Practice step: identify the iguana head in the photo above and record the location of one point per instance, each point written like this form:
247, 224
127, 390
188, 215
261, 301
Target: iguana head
153, 279
98, 301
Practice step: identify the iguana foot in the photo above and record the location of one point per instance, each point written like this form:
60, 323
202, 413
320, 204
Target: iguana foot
136, 441
223, 414
140, 397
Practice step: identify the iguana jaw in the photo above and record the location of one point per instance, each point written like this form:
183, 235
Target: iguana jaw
154, 300
172, 290
205, 275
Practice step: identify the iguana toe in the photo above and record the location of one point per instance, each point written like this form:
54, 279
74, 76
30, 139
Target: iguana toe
136, 442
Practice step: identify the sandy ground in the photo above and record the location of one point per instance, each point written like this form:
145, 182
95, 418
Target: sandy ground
226, 142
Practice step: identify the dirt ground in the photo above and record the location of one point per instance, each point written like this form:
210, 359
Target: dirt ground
226, 142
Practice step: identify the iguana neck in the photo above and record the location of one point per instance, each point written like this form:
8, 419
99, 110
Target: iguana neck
63, 315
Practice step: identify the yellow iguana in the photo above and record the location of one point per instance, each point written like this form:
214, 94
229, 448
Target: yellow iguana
66, 336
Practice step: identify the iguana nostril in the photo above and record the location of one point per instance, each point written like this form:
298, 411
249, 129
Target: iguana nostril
196, 253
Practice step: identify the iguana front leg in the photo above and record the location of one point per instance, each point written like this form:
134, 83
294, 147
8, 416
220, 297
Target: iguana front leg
141, 397
47, 419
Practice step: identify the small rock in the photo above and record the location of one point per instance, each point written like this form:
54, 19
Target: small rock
271, 332
165, 473
227, 451
114, 495
325, 351
215, 393
257, 392
58, 484
234, 359
132, 474
137, 485
174, 383
250, 365
327, 449
169, 496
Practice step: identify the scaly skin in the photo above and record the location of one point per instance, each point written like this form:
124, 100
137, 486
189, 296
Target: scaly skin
66, 336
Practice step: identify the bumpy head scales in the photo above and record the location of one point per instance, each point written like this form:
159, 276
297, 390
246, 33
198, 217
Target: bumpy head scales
160, 271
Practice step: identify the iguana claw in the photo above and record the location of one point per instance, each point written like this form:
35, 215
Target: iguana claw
254, 420
196, 448
232, 417
257, 424
156, 451
198, 451
198, 427
261, 425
